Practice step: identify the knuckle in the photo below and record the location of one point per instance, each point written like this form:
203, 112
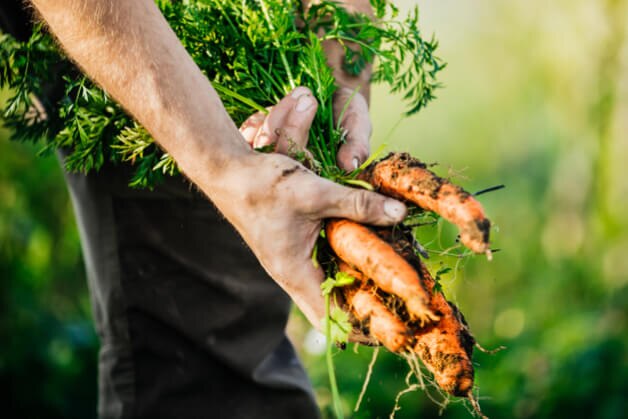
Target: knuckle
361, 149
292, 124
310, 199
248, 134
300, 91
362, 204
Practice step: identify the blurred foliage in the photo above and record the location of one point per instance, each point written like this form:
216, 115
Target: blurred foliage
535, 97
48, 348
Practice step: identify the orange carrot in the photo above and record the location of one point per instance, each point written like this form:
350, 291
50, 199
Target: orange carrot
360, 247
445, 346
367, 307
395, 294
401, 176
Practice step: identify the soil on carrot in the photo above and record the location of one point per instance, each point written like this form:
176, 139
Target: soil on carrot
401, 176
445, 343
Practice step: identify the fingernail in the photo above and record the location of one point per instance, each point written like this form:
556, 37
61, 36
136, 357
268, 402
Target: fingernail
304, 103
248, 132
300, 91
394, 209
356, 163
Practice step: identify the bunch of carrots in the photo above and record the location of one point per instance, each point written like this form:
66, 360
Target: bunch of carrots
393, 299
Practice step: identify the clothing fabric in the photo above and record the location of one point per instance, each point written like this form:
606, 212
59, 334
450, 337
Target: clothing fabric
15, 20
190, 325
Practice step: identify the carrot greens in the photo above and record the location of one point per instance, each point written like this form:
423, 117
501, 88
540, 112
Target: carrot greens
253, 51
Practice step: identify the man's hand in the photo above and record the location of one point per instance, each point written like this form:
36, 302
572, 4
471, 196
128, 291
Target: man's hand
285, 203
274, 202
285, 128
351, 98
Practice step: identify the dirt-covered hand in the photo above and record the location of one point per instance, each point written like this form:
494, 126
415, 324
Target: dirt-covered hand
278, 205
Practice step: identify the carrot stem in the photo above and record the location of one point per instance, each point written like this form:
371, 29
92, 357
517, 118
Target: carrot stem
335, 395
282, 54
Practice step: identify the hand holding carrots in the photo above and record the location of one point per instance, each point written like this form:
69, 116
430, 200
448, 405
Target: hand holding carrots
280, 213
393, 300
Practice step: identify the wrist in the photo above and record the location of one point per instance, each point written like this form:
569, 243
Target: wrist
214, 162
248, 183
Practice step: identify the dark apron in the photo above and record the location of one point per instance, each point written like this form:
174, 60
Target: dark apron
190, 324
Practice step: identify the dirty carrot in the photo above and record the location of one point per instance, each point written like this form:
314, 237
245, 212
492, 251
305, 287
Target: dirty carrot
367, 307
446, 346
361, 248
401, 176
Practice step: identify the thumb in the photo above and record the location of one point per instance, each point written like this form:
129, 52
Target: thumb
362, 206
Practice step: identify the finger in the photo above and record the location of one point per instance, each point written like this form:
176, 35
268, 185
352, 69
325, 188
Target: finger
356, 124
359, 205
302, 282
356, 148
293, 134
308, 297
251, 126
268, 132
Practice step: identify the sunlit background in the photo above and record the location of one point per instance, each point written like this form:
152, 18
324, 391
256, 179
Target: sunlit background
535, 97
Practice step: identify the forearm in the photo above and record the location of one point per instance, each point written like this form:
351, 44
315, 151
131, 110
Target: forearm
128, 48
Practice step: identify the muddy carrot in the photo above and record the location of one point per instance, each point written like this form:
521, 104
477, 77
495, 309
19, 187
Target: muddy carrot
361, 248
368, 307
401, 176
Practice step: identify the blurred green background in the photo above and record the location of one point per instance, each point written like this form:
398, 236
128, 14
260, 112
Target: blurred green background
535, 97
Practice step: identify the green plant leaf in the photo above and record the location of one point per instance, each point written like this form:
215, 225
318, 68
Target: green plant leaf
340, 325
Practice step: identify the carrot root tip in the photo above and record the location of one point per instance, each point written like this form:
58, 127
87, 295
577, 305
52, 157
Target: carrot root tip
476, 405
489, 351
427, 317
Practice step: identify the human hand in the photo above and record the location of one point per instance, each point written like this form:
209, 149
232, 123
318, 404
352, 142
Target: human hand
285, 126
349, 105
287, 123
278, 205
